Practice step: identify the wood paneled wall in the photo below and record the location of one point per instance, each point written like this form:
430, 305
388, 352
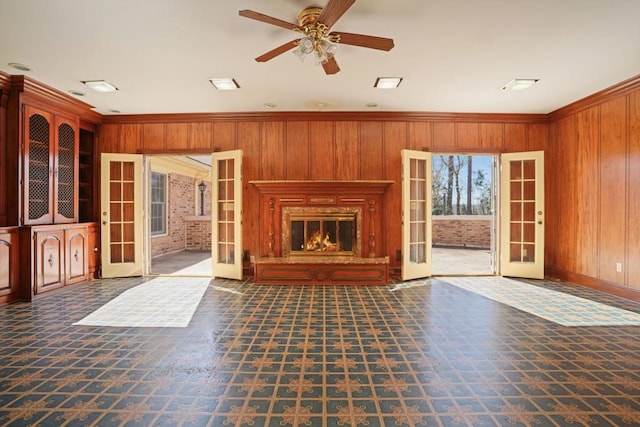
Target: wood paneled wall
4, 97
593, 191
323, 147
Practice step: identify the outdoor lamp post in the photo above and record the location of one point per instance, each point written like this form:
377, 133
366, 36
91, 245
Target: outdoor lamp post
202, 186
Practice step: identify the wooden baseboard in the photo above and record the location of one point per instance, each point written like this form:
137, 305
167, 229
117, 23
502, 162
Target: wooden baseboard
593, 283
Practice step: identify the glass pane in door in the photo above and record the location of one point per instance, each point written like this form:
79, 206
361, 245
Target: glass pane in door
226, 207
121, 212
522, 184
417, 218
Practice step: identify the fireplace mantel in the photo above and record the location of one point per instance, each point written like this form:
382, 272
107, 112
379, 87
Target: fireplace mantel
322, 187
277, 198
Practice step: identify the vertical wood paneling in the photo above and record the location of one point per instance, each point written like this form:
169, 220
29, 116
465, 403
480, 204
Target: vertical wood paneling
537, 137
177, 135
587, 192
420, 136
109, 139
515, 137
492, 136
444, 136
224, 136
153, 137
613, 176
130, 138
297, 155
371, 160
347, 158
565, 167
322, 150
3, 158
551, 198
249, 143
467, 135
633, 251
201, 136
272, 151
395, 140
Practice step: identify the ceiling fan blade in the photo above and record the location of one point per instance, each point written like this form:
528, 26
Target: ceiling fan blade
277, 51
334, 11
372, 42
331, 66
269, 19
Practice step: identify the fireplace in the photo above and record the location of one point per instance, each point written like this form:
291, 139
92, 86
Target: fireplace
321, 232
318, 231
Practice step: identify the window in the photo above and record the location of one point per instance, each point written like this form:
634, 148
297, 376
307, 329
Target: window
158, 204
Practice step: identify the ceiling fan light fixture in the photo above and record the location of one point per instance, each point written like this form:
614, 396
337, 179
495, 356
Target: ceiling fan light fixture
519, 84
100, 86
387, 82
224, 83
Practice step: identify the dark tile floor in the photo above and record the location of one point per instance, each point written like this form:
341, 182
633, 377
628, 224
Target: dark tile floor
430, 354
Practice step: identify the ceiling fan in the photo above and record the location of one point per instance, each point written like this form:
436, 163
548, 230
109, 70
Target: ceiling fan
314, 25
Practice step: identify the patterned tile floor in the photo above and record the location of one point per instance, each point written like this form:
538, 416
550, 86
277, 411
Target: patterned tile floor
417, 353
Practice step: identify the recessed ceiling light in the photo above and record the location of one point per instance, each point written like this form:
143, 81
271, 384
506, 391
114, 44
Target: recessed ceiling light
321, 104
19, 66
226, 83
519, 84
114, 111
76, 93
372, 105
270, 105
387, 82
100, 85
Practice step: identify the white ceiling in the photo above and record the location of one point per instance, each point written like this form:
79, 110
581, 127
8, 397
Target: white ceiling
454, 55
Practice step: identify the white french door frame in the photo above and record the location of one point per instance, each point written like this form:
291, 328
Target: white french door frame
122, 251
416, 214
522, 218
226, 214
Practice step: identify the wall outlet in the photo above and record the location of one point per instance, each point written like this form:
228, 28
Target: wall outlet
619, 267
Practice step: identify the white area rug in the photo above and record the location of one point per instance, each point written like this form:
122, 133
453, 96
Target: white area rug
558, 307
164, 302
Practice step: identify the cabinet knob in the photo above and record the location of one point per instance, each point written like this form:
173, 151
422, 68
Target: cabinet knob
75, 255
50, 260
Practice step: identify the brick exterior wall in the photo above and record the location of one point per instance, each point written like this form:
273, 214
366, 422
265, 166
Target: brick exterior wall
182, 204
473, 231
198, 233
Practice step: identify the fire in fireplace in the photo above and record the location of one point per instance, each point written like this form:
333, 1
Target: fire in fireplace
321, 231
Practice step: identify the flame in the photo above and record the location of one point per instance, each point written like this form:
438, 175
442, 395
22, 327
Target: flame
318, 244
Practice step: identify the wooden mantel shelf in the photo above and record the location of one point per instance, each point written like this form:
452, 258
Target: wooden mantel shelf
322, 187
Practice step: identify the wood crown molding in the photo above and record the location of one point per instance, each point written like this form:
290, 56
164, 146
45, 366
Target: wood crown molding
5, 80
30, 87
363, 116
622, 88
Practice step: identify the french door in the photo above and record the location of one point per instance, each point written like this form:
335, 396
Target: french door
121, 215
416, 214
522, 215
226, 214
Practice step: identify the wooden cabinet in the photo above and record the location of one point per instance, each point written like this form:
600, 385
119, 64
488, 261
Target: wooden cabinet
50, 168
8, 262
54, 255
76, 243
48, 260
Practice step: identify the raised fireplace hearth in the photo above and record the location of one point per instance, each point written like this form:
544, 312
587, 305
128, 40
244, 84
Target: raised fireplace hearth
321, 232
